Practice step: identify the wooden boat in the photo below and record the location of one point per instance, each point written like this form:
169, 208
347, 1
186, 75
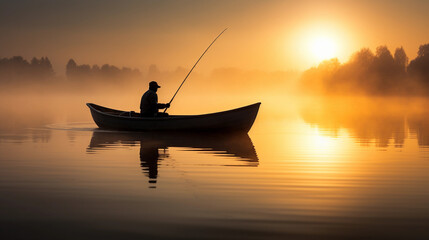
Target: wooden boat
236, 120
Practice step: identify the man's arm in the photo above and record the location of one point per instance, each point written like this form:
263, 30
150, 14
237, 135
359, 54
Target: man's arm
162, 105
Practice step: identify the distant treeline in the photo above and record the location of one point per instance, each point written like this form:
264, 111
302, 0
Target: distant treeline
85, 72
374, 74
18, 69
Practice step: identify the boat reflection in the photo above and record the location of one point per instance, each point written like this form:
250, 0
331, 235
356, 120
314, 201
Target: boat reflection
153, 146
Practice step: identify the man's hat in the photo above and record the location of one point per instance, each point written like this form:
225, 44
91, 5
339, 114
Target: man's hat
154, 84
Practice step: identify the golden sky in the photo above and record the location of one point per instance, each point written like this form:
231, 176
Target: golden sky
264, 35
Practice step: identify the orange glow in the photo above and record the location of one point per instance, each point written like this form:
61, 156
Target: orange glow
318, 42
323, 47
321, 145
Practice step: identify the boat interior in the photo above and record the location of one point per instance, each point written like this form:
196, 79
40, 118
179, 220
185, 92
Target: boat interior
115, 112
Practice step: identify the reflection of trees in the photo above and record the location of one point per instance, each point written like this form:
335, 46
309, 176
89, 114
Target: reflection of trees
366, 127
42, 136
369, 121
239, 146
419, 125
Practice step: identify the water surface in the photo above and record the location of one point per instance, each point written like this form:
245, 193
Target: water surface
315, 172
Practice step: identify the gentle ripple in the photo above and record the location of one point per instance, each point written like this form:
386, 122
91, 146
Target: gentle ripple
301, 182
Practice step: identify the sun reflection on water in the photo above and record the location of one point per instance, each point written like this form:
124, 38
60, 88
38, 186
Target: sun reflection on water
319, 144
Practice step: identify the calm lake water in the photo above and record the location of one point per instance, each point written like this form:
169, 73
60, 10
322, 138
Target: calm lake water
324, 170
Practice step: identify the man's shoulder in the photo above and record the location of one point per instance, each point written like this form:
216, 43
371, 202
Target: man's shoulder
149, 93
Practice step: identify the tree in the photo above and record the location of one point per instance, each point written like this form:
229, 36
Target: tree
71, 68
401, 58
153, 72
419, 67
423, 50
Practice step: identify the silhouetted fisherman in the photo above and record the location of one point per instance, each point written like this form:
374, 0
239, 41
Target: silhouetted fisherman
149, 105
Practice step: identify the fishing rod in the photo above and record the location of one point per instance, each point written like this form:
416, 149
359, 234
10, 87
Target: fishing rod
194, 66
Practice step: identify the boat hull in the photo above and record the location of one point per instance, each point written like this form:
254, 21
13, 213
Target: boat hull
236, 120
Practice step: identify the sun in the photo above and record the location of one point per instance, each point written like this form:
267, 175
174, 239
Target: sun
313, 43
322, 47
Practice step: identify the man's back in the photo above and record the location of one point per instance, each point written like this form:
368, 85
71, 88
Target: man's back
148, 103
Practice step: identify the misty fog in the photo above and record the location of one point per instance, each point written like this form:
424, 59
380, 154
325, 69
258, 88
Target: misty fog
34, 94
371, 74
